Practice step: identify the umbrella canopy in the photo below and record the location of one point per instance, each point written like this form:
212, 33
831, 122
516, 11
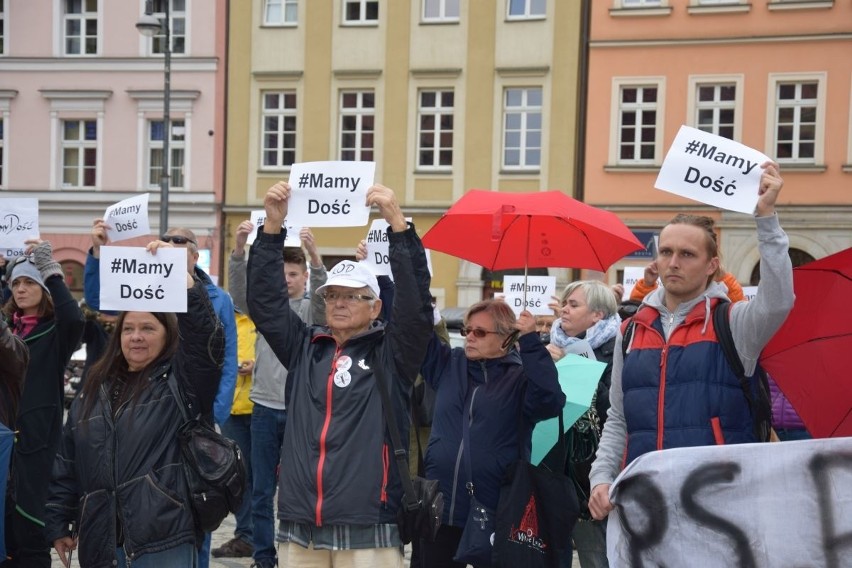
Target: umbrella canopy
499, 230
809, 355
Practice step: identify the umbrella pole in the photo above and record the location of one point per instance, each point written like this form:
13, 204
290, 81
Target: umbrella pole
527, 258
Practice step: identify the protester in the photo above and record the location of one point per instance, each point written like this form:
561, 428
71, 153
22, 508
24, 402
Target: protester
222, 304
589, 321
43, 313
269, 386
501, 391
338, 501
674, 347
238, 429
118, 479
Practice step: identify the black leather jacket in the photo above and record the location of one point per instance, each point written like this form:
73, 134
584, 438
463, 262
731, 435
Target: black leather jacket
127, 471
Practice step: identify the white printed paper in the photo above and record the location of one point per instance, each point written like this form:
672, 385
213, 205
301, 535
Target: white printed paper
132, 279
128, 218
258, 218
632, 275
330, 194
378, 249
536, 291
712, 170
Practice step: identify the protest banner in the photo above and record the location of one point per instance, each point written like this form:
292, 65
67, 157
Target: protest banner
760, 505
258, 218
712, 170
18, 222
330, 194
531, 293
133, 279
128, 218
632, 275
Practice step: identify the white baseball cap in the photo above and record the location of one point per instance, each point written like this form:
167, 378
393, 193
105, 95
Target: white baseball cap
351, 274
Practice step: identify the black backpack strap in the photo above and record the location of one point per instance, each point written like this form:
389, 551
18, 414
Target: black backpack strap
627, 336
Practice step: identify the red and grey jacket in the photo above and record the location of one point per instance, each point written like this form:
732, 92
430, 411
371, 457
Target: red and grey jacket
681, 392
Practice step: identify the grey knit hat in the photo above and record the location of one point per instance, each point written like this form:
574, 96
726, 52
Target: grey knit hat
24, 267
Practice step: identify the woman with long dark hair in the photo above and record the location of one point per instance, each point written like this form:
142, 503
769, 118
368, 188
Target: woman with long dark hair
42, 312
118, 478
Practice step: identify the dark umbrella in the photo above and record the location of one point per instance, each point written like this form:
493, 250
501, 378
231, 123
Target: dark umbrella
809, 355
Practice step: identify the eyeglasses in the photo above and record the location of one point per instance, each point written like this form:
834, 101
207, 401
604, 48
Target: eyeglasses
477, 333
346, 297
177, 239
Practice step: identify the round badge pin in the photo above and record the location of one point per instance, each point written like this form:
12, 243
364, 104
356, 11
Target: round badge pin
342, 378
344, 362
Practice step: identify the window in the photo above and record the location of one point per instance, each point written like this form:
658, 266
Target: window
796, 107
2, 27
281, 12
526, 9
279, 129
357, 116
435, 129
715, 109
177, 152
2, 151
637, 124
79, 153
177, 25
440, 10
360, 12
640, 3
522, 128
81, 27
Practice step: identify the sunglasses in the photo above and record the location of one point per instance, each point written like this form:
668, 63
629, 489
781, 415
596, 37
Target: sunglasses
177, 239
477, 333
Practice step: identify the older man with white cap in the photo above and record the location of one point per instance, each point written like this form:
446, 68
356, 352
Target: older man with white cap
338, 502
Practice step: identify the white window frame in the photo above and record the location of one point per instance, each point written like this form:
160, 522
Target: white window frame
526, 111
694, 105
358, 112
618, 84
80, 145
282, 6
173, 17
3, 156
773, 106
442, 16
6, 97
177, 144
83, 17
527, 13
631, 4
281, 113
362, 21
438, 111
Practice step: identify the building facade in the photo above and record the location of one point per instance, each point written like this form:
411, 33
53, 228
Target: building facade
775, 75
444, 95
82, 109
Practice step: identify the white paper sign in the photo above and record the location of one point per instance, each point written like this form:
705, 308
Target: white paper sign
735, 505
582, 348
378, 248
330, 194
632, 275
712, 170
258, 218
749, 292
132, 279
128, 218
18, 222
537, 291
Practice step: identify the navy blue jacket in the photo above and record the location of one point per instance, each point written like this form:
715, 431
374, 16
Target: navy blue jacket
520, 388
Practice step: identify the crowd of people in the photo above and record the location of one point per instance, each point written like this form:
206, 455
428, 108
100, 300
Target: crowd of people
287, 362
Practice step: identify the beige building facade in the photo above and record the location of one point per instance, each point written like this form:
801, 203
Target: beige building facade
444, 95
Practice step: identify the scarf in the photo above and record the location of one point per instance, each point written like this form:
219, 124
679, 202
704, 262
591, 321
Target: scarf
596, 335
23, 325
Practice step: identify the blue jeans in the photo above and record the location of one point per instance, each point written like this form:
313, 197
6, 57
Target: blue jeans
181, 556
238, 428
267, 435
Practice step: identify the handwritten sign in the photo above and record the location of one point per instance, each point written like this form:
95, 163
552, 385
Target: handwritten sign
258, 218
781, 505
132, 279
534, 290
330, 194
632, 275
18, 222
712, 170
128, 218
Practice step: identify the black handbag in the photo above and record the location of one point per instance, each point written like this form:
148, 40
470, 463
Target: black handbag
213, 466
422, 506
583, 438
536, 513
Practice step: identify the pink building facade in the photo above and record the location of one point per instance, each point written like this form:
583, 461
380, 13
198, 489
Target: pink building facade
82, 107
775, 75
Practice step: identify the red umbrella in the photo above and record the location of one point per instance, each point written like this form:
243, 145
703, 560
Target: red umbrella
809, 355
499, 230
